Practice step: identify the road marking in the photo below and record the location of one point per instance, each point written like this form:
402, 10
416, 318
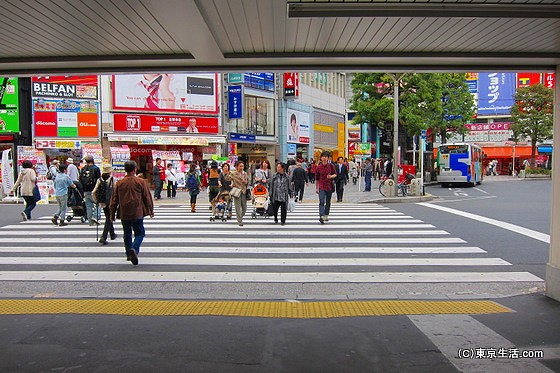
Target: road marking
258, 262
502, 224
455, 333
444, 200
481, 190
247, 249
132, 275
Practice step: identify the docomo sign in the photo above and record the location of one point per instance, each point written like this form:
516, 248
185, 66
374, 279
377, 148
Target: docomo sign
162, 123
58, 144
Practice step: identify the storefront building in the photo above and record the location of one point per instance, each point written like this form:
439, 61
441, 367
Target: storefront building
251, 117
171, 116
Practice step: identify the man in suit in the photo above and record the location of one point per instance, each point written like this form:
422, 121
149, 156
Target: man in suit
341, 178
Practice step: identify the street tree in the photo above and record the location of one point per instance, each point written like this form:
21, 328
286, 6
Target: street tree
531, 115
440, 101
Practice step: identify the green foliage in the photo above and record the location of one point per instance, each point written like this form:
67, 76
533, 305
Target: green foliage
424, 101
537, 171
531, 115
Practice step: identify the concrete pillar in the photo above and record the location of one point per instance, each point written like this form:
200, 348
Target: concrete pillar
553, 265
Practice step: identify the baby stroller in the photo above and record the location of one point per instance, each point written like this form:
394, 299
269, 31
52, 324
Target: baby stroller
77, 203
222, 206
259, 200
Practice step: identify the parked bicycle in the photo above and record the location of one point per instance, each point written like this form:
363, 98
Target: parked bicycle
402, 187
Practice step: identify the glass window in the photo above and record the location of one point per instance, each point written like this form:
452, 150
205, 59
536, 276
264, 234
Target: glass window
258, 118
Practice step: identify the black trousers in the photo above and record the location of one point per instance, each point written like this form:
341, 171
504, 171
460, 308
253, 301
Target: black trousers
299, 188
108, 228
339, 190
283, 206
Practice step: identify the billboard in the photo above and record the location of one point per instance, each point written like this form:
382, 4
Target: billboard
298, 126
65, 86
65, 118
164, 123
495, 93
9, 105
184, 93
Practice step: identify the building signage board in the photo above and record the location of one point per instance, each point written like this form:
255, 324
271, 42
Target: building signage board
242, 137
184, 93
291, 85
9, 105
496, 92
298, 126
65, 118
79, 87
164, 123
235, 101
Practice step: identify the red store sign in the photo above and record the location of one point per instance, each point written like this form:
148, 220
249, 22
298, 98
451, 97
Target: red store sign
164, 123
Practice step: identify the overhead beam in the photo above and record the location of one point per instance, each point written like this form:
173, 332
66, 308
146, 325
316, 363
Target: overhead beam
419, 10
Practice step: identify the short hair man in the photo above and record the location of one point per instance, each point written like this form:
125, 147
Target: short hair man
324, 175
131, 202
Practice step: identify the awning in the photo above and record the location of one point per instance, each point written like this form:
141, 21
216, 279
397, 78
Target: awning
507, 151
166, 139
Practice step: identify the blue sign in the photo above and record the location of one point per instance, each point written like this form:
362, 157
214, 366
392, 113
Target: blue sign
242, 137
473, 86
235, 101
423, 134
495, 93
291, 150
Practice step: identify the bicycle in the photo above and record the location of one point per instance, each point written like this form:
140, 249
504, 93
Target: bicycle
402, 187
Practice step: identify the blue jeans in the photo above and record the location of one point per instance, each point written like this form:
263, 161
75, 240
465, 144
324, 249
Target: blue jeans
368, 180
138, 227
324, 202
29, 205
91, 209
62, 202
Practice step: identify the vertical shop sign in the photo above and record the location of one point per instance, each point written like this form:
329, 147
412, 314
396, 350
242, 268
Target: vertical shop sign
496, 92
291, 85
549, 80
235, 101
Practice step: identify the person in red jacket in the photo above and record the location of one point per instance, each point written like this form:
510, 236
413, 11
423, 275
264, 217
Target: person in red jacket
324, 177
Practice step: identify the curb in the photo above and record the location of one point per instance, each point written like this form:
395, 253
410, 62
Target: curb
410, 199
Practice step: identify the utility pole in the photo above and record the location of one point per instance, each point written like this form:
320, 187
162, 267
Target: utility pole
396, 83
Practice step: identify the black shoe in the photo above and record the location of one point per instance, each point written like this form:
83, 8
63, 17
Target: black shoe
114, 237
321, 220
276, 220
128, 258
55, 220
283, 223
103, 242
133, 256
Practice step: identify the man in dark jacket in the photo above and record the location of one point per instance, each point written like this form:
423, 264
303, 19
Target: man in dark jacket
341, 178
299, 178
130, 202
89, 174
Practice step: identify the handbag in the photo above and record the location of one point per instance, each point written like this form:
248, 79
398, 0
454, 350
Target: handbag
235, 192
36, 194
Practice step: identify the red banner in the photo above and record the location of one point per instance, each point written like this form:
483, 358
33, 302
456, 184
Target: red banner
291, 85
527, 79
164, 123
549, 80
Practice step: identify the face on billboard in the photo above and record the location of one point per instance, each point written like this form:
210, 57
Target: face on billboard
192, 93
298, 126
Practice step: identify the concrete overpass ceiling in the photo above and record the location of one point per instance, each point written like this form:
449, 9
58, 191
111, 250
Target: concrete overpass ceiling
79, 36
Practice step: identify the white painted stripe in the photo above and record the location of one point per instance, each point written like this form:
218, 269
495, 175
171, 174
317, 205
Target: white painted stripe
454, 333
258, 262
502, 224
116, 247
315, 277
259, 240
242, 232
480, 190
233, 226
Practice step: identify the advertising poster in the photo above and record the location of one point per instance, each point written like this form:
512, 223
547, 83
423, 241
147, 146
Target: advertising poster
495, 93
164, 123
65, 118
9, 102
298, 126
527, 79
63, 86
185, 93
7, 171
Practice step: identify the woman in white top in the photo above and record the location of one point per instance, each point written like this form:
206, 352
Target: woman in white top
27, 179
171, 180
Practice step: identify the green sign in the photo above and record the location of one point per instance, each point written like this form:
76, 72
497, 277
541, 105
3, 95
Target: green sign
9, 105
217, 158
235, 78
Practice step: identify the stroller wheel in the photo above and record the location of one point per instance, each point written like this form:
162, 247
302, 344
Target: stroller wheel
254, 215
68, 218
212, 218
224, 219
83, 219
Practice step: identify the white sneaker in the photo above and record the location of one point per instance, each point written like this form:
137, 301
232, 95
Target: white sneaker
23, 216
326, 218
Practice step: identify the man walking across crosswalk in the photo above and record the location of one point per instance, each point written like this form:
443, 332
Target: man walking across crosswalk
131, 202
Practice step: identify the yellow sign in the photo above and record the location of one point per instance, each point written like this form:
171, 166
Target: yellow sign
323, 128
341, 136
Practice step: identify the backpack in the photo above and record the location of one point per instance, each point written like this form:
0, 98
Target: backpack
192, 182
104, 191
87, 177
49, 175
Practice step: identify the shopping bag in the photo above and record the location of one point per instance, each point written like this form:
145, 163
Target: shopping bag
291, 205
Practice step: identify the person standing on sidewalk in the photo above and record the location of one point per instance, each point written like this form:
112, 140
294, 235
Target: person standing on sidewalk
131, 202
28, 180
61, 185
158, 175
324, 176
341, 178
367, 167
171, 180
239, 179
299, 178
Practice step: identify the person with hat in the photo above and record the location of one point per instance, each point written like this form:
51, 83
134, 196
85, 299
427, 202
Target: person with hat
102, 196
73, 171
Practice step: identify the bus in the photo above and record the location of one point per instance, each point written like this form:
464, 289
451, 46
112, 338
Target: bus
459, 163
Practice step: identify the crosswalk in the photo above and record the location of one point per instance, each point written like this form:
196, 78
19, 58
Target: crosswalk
361, 243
